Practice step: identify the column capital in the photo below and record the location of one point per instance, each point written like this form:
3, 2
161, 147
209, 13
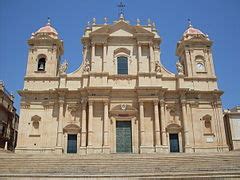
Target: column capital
61, 101
141, 102
105, 103
150, 43
90, 102
162, 102
183, 101
155, 102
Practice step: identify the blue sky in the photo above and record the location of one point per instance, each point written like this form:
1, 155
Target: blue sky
219, 19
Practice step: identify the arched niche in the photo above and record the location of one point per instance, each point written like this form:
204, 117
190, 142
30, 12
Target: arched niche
207, 124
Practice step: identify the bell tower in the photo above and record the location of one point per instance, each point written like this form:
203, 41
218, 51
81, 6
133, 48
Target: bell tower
195, 54
45, 50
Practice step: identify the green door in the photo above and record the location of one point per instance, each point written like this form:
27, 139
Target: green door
124, 137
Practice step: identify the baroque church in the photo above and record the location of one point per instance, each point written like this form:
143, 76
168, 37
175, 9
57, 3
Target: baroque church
121, 99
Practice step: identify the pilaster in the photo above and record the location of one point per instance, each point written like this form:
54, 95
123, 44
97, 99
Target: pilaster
84, 128
157, 126
186, 128
141, 123
163, 126
139, 57
105, 57
152, 61
106, 148
59, 147
90, 121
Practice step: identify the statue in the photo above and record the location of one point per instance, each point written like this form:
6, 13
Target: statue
179, 67
86, 67
157, 67
63, 67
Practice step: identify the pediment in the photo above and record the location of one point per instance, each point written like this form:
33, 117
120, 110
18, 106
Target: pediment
122, 32
121, 28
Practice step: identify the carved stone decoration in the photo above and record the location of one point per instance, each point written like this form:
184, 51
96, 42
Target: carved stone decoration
63, 67
83, 100
157, 66
179, 67
123, 107
86, 66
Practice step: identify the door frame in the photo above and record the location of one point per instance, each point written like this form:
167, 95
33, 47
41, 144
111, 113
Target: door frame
175, 129
170, 142
134, 130
76, 143
131, 136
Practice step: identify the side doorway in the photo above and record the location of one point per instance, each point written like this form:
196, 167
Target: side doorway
174, 142
72, 143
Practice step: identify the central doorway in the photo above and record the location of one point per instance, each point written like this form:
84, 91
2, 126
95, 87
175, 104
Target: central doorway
72, 143
123, 137
174, 142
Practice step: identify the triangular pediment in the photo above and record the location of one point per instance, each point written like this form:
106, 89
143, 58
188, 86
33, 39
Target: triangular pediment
121, 28
122, 32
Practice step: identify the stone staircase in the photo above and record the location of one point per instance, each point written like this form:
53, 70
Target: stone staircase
120, 166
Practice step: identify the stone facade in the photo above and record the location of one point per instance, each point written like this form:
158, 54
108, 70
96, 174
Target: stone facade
121, 96
9, 120
232, 126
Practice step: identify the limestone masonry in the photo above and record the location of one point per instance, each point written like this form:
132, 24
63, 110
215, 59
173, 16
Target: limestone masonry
121, 99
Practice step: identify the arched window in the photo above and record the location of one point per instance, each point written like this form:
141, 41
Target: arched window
122, 63
41, 64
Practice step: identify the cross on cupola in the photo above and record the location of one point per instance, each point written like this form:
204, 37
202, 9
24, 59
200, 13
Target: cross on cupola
48, 21
189, 23
121, 7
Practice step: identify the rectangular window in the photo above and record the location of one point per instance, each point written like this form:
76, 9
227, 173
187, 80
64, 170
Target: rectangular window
122, 65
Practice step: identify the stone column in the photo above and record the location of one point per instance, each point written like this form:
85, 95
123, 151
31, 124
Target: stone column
185, 126
163, 123
90, 121
85, 48
6, 145
104, 57
157, 125
65, 141
60, 126
141, 123
152, 61
78, 142
190, 125
139, 57
106, 127
93, 50
84, 126
93, 57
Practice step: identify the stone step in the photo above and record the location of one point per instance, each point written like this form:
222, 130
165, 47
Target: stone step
120, 165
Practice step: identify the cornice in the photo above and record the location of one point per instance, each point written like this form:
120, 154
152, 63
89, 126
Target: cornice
27, 78
200, 78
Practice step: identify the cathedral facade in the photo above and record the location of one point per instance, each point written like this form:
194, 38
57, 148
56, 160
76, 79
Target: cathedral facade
121, 99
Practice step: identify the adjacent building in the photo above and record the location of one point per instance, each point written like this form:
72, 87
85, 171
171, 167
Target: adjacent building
121, 99
232, 126
9, 120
